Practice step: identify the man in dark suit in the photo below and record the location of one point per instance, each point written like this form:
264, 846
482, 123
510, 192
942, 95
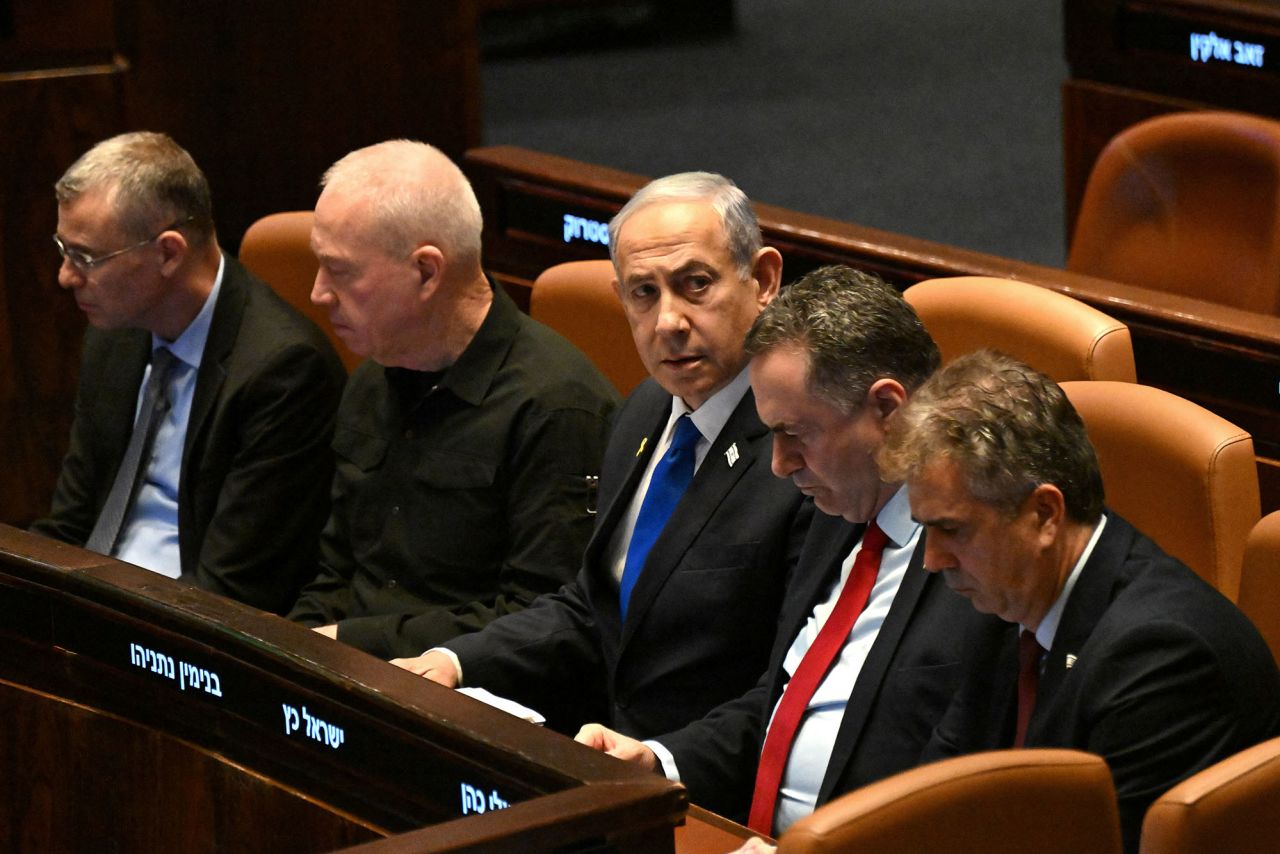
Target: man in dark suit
231, 489
652, 635
834, 358
1123, 651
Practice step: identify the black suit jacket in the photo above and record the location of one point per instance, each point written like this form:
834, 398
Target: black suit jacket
702, 614
904, 686
1151, 668
256, 463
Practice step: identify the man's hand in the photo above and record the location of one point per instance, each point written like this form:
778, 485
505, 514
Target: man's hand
329, 631
435, 666
755, 845
617, 745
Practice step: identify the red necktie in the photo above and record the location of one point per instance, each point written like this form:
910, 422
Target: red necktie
813, 667
1029, 653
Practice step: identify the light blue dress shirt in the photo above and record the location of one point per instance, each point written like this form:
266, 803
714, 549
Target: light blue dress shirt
149, 536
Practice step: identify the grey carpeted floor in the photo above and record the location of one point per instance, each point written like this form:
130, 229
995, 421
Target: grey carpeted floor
934, 118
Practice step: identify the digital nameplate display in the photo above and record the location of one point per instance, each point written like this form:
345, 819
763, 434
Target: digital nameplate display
1201, 45
224, 704
582, 229
539, 215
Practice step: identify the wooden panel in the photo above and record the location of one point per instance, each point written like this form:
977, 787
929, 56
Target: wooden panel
194, 709
538, 208
46, 121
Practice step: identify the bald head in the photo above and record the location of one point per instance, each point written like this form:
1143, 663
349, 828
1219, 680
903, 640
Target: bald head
409, 194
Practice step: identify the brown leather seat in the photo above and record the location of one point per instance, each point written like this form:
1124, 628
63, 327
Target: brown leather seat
1232, 807
1002, 802
1187, 203
1260, 579
577, 300
1182, 475
277, 249
1055, 334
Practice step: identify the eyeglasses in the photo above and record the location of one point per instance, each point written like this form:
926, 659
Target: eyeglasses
84, 262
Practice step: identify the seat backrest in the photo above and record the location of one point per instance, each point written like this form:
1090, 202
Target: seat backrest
1260, 580
1181, 474
577, 300
1054, 333
1002, 802
277, 249
1187, 203
1232, 807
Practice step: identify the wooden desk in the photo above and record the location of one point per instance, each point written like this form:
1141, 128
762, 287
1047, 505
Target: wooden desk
542, 209
143, 715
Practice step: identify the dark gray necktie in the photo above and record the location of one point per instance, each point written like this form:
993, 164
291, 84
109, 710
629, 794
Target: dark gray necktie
155, 404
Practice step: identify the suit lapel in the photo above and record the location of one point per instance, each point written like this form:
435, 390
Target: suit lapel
713, 480
1090, 597
872, 674
223, 329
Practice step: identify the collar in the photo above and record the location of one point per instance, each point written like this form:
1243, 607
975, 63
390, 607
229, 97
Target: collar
189, 346
1049, 625
895, 519
470, 376
712, 415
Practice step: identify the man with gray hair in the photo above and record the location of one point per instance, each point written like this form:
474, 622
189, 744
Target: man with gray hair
205, 406
869, 646
469, 442
673, 610
1109, 645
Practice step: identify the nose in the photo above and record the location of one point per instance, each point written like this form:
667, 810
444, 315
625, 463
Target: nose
936, 558
69, 276
671, 315
321, 293
786, 461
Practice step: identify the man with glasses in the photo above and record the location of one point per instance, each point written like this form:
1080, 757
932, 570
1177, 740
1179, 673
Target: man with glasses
205, 406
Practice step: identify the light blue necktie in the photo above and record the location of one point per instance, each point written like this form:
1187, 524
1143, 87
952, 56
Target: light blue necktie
670, 479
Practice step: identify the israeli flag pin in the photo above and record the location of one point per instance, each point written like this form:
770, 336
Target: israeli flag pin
732, 454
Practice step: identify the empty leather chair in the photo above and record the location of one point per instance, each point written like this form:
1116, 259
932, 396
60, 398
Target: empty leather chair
1181, 474
577, 300
1054, 333
277, 249
1260, 580
1187, 203
1002, 802
1232, 807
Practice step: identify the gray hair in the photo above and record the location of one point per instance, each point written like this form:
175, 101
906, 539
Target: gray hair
738, 218
854, 328
416, 195
1008, 428
152, 183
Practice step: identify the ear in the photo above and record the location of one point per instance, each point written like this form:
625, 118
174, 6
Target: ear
767, 271
887, 395
173, 251
430, 264
1049, 508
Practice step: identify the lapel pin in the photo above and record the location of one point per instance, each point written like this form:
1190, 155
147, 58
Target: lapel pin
1071, 660
732, 454
643, 442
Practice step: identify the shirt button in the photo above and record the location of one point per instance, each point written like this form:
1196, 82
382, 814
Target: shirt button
408, 434
393, 584
395, 510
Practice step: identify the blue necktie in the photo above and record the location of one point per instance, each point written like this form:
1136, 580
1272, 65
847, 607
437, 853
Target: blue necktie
670, 479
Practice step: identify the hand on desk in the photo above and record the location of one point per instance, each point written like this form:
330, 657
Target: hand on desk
617, 745
330, 631
435, 666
